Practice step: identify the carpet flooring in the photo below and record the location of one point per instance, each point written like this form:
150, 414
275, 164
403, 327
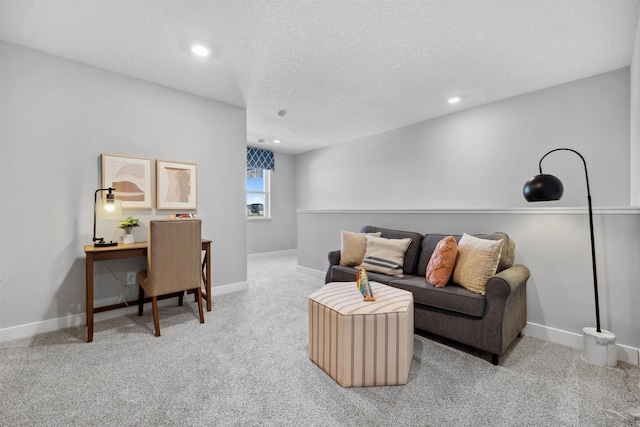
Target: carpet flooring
248, 365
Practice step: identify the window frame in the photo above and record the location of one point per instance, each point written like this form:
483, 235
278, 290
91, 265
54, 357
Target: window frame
267, 196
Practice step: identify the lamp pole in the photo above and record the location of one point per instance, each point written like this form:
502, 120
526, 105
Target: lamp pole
593, 246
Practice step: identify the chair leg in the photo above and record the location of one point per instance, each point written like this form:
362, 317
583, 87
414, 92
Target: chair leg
180, 298
199, 297
156, 322
140, 300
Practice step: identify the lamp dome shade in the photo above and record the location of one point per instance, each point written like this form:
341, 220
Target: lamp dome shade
543, 188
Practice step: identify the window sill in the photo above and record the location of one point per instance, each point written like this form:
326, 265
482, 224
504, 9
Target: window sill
258, 219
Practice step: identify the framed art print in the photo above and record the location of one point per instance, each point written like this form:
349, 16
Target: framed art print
131, 177
176, 185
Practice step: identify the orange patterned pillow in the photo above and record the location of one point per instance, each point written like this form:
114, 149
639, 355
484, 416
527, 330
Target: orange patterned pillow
442, 261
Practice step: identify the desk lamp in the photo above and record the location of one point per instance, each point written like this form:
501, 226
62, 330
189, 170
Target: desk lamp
598, 344
108, 207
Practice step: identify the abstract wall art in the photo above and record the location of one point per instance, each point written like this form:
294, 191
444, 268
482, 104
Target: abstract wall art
176, 185
131, 177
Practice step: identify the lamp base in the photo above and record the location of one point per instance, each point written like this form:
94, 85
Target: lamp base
104, 244
599, 347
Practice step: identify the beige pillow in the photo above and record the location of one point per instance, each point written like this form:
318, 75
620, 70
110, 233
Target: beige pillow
352, 248
385, 255
477, 262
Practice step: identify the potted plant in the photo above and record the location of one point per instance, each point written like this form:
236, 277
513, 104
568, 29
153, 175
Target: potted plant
127, 225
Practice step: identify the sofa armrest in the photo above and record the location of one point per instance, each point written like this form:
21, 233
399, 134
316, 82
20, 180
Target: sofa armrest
507, 282
334, 259
506, 307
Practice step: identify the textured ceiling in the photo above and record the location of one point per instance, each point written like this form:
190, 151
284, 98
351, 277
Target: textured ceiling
342, 69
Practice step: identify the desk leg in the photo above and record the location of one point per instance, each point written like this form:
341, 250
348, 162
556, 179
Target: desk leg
89, 293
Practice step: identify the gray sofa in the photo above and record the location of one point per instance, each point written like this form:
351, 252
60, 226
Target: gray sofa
487, 322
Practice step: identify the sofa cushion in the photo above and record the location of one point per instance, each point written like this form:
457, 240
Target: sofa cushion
452, 297
412, 256
442, 261
352, 247
429, 242
348, 274
385, 255
477, 262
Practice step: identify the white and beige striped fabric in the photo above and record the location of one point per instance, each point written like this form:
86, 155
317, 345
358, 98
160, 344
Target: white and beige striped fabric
361, 343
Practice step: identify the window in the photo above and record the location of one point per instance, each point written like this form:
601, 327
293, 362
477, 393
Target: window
260, 164
258, 193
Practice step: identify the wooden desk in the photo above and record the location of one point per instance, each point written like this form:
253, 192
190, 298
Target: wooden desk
132, 250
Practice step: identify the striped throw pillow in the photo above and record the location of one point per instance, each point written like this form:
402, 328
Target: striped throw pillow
385, 255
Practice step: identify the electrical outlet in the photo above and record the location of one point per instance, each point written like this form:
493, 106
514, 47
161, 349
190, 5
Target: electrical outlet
131, 278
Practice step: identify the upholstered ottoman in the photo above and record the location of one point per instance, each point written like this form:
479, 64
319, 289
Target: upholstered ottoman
361, 343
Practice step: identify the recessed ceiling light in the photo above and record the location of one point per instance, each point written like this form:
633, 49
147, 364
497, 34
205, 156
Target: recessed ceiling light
277, 141
200, 50
261, 141
453, 100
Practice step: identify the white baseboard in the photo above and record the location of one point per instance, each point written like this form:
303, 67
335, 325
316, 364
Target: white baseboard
570, 339
271, 254
311, 272
31, 329
229, 289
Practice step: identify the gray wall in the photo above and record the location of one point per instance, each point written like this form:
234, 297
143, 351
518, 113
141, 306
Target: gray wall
464, 173
279, 232
58, 116
481, 157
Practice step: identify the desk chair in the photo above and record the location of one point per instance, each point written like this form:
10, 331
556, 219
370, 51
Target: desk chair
173, 263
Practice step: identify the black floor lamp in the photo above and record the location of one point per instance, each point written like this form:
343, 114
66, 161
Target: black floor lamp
543, 188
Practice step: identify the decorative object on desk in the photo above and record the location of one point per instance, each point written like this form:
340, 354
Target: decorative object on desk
131, 177
107, 207
182, 216
177, 185
598, 344
127, 225
364, 286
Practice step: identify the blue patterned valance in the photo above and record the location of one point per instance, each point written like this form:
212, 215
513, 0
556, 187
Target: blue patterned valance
260, 159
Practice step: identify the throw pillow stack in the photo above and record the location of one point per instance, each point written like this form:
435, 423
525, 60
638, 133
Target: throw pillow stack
472, 262
374, 253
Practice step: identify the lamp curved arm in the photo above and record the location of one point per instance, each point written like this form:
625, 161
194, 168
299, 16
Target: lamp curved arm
593, 245
584, 162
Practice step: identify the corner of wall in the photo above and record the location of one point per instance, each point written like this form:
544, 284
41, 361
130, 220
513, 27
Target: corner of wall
634, 108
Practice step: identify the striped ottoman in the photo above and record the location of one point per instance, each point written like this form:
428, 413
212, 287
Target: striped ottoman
361, 343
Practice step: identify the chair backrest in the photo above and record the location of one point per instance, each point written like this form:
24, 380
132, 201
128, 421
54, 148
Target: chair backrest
174, 254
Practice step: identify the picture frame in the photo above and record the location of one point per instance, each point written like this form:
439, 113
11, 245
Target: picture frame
176, 185
131, 177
